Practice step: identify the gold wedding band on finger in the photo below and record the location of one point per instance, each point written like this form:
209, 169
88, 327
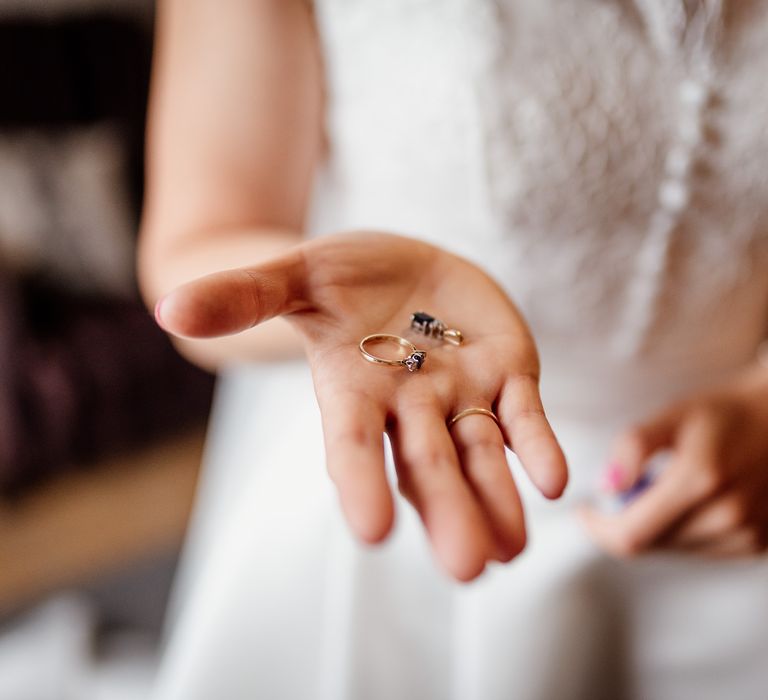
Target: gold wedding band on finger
412, 362
474, 412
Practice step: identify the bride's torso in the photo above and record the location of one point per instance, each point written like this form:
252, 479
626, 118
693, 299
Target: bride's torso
557, 143
605, 160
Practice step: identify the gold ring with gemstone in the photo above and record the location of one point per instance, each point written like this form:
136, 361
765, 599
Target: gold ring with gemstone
412, 362
433, 327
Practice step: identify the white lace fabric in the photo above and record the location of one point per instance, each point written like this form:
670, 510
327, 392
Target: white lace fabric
605, 159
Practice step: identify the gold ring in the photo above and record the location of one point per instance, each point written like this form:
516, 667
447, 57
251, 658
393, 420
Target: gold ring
412, 362
472, 412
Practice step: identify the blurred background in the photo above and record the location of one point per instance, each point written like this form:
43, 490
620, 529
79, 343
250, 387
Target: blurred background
101, 423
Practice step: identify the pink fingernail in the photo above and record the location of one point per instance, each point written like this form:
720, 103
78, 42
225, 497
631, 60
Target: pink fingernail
613, 478
158, 317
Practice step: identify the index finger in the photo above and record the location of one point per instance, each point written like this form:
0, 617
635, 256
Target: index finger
353, 429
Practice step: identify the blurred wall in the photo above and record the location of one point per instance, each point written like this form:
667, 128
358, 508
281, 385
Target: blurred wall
84, 371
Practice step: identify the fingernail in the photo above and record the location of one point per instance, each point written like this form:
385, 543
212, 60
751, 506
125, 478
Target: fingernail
158, 317
613, 478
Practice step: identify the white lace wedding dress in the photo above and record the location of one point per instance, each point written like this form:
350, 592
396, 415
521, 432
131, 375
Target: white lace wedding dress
607, 162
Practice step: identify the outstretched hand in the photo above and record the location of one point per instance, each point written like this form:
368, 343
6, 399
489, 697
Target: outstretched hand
338, 289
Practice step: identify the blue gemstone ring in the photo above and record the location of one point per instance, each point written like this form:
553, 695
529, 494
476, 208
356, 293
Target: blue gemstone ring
435, 328
412, 362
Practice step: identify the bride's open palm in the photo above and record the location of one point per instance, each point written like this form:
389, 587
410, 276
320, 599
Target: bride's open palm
339, 289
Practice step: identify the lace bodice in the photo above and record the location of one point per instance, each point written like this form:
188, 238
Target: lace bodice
606, 160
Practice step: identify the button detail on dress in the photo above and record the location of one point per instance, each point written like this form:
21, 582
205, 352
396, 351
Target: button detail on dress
692, 92
674, 195
678, 161
690, 129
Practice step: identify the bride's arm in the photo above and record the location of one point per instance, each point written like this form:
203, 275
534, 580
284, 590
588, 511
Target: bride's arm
234, 136
234, 132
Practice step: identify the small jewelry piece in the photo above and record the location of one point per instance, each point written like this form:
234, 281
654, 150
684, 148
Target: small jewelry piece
434, 328
412, 362
471, 412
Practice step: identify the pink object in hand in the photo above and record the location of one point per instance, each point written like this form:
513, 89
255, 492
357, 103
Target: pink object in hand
613, 478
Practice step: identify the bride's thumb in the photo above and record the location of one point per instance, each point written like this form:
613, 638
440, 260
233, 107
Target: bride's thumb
232, 301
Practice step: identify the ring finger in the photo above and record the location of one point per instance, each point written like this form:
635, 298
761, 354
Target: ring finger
480, 447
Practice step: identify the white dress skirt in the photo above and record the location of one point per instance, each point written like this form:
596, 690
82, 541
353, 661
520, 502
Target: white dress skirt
605, 160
